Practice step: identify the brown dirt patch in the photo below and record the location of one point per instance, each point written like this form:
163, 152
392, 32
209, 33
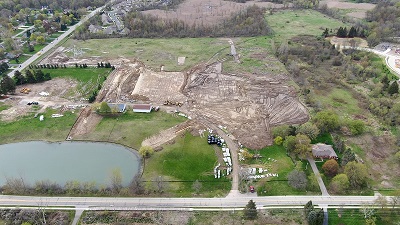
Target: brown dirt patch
348, 41
59, 95
247, 104
359, 8
207, 12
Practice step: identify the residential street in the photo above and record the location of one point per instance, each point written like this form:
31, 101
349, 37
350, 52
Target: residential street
55, 42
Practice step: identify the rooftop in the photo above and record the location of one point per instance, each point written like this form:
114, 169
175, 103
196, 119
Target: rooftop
323, 151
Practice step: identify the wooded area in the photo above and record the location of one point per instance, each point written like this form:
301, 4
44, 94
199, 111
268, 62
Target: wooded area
249, 22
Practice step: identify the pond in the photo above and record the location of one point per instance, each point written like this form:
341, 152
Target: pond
67, 161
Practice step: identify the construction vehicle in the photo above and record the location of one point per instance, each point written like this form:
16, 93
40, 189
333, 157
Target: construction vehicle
25, 90
168, 102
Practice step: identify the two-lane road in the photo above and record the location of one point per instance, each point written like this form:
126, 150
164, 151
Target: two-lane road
173, 203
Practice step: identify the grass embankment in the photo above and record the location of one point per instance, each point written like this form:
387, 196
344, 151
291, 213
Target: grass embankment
3, 106
341, 101
89, 78
154, 52
289, 23
282, 166
131, 128
28, 128
189, 159
270, 216
385, 216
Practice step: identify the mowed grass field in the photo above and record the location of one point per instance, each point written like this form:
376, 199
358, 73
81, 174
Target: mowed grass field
28, 128
131, 128
289, 23
189, 159
153, 52
89, 78
79, 74
282, 166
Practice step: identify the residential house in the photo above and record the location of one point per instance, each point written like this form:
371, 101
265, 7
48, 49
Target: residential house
323, 151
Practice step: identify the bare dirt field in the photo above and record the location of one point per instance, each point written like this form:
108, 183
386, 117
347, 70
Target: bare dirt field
358, 42
207, 12
358, 9
59, 91
248, 104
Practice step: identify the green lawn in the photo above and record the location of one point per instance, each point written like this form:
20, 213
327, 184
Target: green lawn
355, 216
3, 106
89, 78
29, 128
132, 128
283, 166
36, 48
153, 52
21, 59
190, 158
289, 23
84, 75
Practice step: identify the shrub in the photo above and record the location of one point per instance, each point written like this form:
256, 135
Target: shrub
146, 151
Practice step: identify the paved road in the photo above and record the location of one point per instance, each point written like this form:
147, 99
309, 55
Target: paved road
55, 42
171, 203
23, 30
390, 58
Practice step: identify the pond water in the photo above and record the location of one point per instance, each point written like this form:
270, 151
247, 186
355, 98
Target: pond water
67, 161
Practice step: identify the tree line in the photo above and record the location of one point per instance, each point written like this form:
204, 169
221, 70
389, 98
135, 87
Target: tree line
8, 84
3, 67
16, 5
249, 22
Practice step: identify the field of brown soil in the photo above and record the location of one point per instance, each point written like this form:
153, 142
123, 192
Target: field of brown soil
59, 97
247, 104
358, 9
207, 12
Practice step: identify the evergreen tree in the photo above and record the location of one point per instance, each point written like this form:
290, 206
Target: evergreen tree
7, 85
312, 218
348, 156
393, 88
98, 65
345, 32
385, 81
29, 77
101, 65
308, 208
39, 76
320, 217
352, 32
47, 76
250, 211
325, 33
339, 33
19, 78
